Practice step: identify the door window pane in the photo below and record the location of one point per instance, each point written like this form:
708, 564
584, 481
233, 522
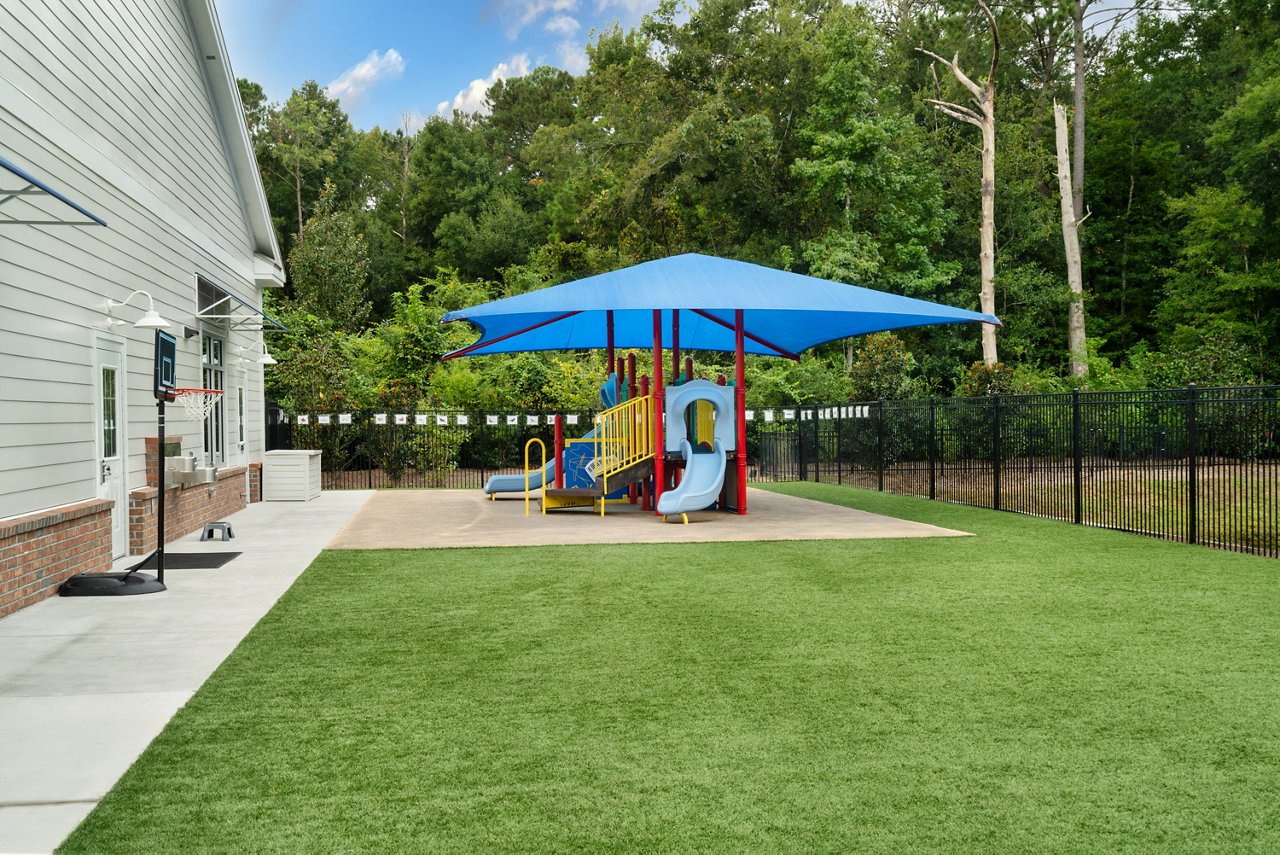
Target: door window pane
110, 429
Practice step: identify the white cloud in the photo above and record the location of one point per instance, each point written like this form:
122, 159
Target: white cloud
633, 9
573, 57
351, 86
563, 25
472, 98
519, 14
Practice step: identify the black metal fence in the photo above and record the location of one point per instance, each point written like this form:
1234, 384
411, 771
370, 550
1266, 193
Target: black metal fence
1195, 465
380, 450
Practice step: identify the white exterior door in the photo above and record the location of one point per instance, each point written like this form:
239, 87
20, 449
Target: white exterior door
112, 438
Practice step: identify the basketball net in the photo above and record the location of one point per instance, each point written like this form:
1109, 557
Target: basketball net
197, 403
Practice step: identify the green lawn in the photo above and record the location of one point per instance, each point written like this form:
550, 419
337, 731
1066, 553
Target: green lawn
1040, 686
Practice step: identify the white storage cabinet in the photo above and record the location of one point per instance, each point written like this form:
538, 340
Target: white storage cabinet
290, 476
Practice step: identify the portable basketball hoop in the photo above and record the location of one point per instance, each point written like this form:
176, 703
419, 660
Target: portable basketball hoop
197, 403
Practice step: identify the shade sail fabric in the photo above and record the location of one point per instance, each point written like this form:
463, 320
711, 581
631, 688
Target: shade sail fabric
784, 313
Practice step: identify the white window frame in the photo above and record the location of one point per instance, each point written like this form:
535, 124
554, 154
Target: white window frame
213, 374
241, 396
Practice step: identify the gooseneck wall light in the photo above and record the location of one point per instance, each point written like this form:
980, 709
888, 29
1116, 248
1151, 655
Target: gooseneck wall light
150, 319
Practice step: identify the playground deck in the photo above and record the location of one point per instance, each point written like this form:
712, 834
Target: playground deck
420, 519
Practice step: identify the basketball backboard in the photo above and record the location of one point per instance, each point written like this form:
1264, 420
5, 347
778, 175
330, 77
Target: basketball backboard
166, 365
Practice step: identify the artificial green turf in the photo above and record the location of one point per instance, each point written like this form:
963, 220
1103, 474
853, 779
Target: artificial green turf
1040, 686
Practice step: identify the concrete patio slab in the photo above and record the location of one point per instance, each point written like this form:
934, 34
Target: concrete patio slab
419, 519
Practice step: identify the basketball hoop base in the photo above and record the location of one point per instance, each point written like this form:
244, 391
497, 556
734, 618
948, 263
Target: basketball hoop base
110, 585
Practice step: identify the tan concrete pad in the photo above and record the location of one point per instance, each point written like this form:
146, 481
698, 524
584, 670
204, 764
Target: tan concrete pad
419, 519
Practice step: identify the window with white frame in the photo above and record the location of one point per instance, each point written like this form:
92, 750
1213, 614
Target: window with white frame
213, 362
241, 412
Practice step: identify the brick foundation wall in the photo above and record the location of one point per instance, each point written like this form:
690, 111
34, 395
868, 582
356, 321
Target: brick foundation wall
40, 551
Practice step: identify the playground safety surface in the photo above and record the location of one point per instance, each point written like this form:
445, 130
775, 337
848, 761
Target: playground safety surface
425, 519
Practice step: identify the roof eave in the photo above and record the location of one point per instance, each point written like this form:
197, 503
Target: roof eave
226, 95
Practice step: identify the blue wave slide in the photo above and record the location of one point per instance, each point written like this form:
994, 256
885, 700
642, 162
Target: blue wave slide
700, 486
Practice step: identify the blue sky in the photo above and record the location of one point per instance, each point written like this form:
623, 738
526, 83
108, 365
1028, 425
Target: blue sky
386, 58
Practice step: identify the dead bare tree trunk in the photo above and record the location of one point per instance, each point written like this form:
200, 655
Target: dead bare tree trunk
982, 115
1077, 105
406, 156
1071, 242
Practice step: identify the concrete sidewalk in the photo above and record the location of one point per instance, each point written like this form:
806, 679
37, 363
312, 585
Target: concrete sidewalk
87, 683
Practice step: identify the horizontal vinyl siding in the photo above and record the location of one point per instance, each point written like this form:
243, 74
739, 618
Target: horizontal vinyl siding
124, 76
155, 167
42, 487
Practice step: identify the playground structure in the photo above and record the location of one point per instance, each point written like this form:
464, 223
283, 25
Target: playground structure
616, 460
682, 449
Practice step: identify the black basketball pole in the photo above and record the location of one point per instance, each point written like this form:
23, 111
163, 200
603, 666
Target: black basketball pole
160, 483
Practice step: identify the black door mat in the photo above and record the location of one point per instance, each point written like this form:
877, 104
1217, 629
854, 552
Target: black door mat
190, 560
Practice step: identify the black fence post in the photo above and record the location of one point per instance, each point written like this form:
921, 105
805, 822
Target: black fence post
368, 447
880, 444
1193, 453
839, 446
933, 451
1077, 456
997, 452
817, 446
801, 462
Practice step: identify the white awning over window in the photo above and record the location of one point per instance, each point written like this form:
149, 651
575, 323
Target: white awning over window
215, 303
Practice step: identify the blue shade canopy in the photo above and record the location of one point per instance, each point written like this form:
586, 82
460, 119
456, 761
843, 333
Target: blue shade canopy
783, 313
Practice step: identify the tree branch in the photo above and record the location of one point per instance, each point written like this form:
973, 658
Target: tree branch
955, 111
995, 43
954, 65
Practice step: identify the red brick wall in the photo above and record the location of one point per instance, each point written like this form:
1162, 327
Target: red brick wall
40, 551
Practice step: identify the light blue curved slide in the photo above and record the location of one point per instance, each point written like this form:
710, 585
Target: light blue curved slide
515, 483
700, 486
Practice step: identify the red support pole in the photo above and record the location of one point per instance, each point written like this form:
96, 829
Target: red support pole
659, 476
559, 451
644, 485
688, 367
633, 492
608, 334
740, 399
619, 373
675, 345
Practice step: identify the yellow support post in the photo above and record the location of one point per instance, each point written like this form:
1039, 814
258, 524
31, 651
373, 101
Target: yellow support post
527, 446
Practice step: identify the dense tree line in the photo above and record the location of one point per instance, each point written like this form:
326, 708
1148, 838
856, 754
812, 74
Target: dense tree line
818, 137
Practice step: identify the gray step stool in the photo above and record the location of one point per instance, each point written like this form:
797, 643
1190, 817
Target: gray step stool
223, 527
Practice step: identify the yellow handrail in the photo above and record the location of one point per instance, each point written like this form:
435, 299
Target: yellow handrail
623, 438
543, 470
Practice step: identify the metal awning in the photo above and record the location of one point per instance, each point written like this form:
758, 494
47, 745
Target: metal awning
33, 192
215, 303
